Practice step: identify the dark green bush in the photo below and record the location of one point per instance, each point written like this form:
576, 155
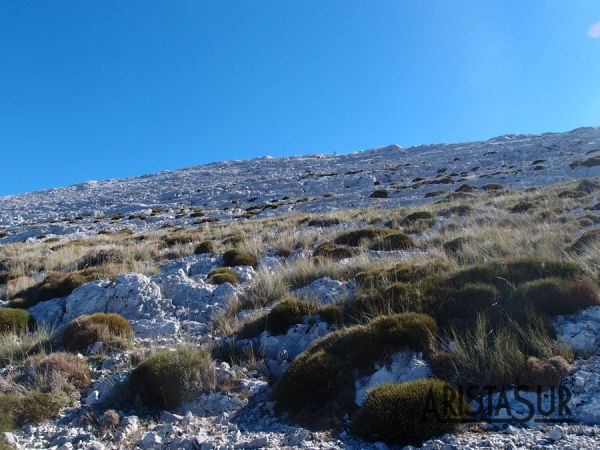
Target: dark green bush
353, 238
334, 251
522, 207
233, 258
166, 378
409, 413
455, 245
344, 351
313, 380
393, 241
287, 312
556, 296
467, 301
223, 275
13, 320
113, 330
417, 216
57, 285
204, 247
379, 193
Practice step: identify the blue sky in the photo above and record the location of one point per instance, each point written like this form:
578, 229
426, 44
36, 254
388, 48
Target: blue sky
108, 89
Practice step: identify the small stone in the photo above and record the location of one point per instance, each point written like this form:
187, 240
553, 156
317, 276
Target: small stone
555, 434
151, 440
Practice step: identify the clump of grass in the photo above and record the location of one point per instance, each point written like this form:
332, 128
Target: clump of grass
585, 241
287, 312
409, 413
59, 284
113, 330
334, 251
353, 238
557, 296
204, 247
417, 216
379, 193
393, 241
33, 407
166, 378
57, 372
15, 348
323, 372
522, 207
223, 275
233, 258
13, 320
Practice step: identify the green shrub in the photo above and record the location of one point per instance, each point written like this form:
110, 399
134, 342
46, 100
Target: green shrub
409, 413
507, 274
58, 285
233, 258
342, 352
312, 380
324, 222
353, 238
100, 258
204, 247
287, 312
13, 320
556, 296
467, 301
393, 241
522, 207
166, 378
113, 330
223, 275
379, 193
334, 251
172, 241
417, 216
455, 245
33, 407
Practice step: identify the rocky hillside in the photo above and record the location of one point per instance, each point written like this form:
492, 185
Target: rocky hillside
442, 296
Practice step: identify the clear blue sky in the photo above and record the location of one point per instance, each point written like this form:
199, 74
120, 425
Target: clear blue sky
107, 89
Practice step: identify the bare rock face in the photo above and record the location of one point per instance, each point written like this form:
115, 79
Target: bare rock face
581, 331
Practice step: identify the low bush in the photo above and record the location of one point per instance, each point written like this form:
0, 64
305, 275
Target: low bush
13, 351
57, 372
233, 258
204, 247
353, 238
33, 407
417, 216
409, 413
379, 193
16, 321
58, 285
166, 378
100, 258
522, 207
172, 241
556, 296
455, 245
585, 241
287, 312
324, 222
393, 241
113, 330
223, 275
334, 251
544, 373
342, 352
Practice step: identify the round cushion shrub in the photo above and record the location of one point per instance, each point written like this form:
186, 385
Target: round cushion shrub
467, 301
113, 330
409, 413
285, 313
223, 275
334, 251
204, 247
353, 238
393, 241
233, 258
166, 378
417, 216
556, 296
14, 320
313, 380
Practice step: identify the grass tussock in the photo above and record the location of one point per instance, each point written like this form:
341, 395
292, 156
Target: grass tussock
112, 330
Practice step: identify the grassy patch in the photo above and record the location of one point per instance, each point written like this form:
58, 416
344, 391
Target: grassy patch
223, 275
13, 320
233, 258
113, 330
